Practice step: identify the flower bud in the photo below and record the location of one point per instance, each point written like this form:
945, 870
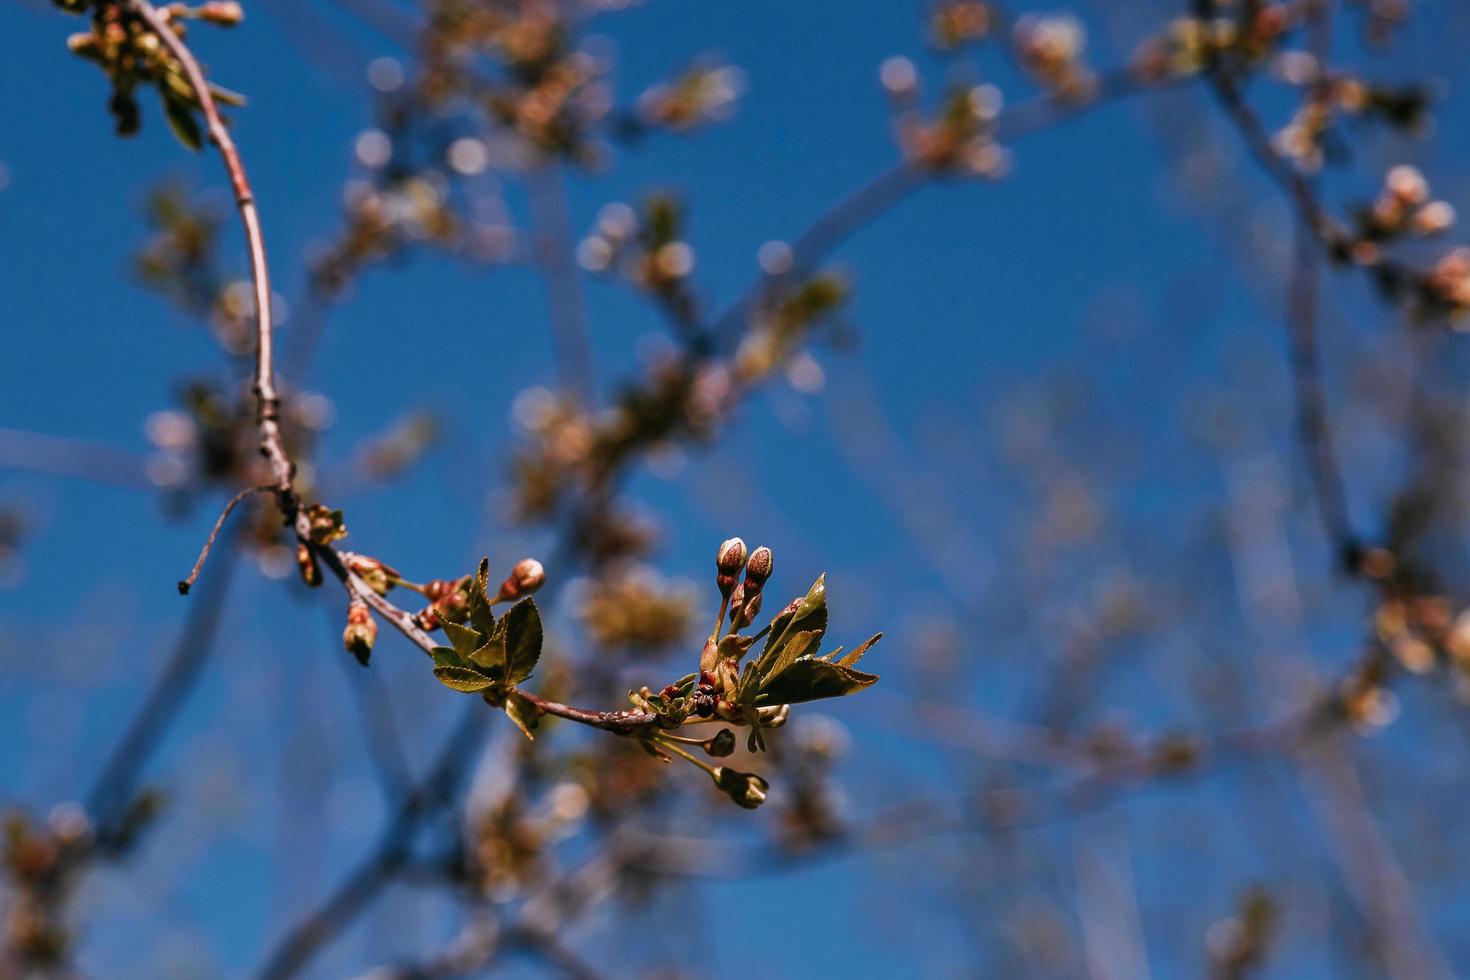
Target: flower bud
379, 577
225, 13
436, 589
454, 607
428, 618
758, 569
721, 744
1407, 184
728, 562
326, 524
311, 572
526, 577
361, 632
746, 789
84, 43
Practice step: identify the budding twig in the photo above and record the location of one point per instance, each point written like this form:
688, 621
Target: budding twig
188, 583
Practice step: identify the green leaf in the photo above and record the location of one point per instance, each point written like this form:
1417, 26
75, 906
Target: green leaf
490, 656
482, 616
798, 645
462, 679
859, 650
521, 711
464, 639
810, 679
522, 640
810, 614
745, 693
446, 657
181, 120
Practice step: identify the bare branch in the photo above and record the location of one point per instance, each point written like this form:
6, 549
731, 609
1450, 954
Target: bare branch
188, 583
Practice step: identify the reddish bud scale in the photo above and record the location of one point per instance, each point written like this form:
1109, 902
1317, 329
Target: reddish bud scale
436, 589
428, 619
737, 602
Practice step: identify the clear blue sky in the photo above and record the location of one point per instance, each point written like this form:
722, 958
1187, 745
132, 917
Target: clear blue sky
1095, 261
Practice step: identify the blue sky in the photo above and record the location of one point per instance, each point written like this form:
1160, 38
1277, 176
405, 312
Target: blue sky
1093, 263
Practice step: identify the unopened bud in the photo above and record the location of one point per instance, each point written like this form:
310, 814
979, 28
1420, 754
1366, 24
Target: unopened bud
1433, 218
1407, 184
454, 607
378, 576
728, 562
525, 578
746, 789
226, 13
758, 569
721, 744
83, 44
436, 589
311, 572
361, 632
428, 618
326, 524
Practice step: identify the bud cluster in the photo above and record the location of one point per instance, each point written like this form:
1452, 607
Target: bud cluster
1050, 48
959, 138
705, 94
745, 600
958, 22
648, 249
1403, 206
126, 48
780, 332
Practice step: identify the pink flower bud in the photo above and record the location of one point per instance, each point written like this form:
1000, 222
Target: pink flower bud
758, 569
525, 578
361, 632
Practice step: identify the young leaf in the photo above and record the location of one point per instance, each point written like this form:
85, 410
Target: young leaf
462, 679
482, 617
521, 711
809, 679
522, 640
490, 656
810, 614
798, 645
180, 116
446, 657
859, 650
464, 639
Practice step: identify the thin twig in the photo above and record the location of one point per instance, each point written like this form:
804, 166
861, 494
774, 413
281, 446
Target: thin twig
1313, 429
268, 401
188, 583
569, 333
59, 456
